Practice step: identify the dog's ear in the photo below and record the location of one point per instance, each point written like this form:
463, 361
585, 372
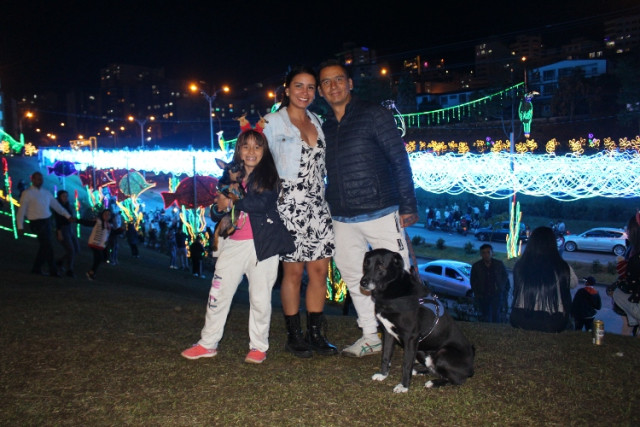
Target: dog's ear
398, 261
221, 164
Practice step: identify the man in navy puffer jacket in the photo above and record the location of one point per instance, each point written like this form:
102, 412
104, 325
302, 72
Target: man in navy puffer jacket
370, 190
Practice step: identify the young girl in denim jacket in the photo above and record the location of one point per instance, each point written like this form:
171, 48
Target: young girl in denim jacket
253, 249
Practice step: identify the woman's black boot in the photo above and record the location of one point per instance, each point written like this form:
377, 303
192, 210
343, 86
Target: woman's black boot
295, 341
318, 343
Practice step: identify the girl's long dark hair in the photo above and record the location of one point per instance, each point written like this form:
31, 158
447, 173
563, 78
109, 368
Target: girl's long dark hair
539, 271
633, 236
298, 69
264, 175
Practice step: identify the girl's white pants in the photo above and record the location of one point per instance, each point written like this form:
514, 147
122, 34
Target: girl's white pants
237, 259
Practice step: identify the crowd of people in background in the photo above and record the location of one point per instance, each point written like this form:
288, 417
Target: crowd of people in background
55, 219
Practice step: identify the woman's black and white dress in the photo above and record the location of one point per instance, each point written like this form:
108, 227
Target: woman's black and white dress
304, 210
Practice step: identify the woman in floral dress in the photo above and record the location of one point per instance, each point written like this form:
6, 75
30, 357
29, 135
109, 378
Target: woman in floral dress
297, 143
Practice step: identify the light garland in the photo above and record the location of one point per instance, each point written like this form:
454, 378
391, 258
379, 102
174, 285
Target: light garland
178, 162
612, 174
499, 175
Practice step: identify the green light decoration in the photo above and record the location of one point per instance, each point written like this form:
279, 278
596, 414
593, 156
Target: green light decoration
457, 112
77, 206
7, 187
14, 146
193, 223
6, 196
513, 247
130, 211
525, 112
336, 287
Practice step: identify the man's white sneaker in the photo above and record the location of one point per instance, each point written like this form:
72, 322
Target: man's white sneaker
365, 346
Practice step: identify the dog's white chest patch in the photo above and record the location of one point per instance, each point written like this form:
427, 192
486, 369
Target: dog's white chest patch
388, 326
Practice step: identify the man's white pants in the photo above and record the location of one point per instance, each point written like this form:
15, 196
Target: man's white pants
353, 240
239, 258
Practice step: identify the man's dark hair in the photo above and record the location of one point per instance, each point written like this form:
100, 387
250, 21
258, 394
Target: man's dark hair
485, 246
334, 63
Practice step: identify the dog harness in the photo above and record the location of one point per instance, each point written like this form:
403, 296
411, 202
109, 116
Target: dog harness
432, 303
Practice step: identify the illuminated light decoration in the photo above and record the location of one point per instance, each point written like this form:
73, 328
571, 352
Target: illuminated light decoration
390, 105
611, 173
221, 141
525, 112
77, 206
13, 145
9, 197
131, 183
96, 199
193, 223
457, 112
571, 177
336, 287
515, 216
130, 211
6, 196
178, 162
30, 149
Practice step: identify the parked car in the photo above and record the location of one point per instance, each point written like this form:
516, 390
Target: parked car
601, 239
449, 277
498, 232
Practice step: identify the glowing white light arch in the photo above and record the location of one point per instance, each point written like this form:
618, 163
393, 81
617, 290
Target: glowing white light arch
178, 162
497, 175
611, 174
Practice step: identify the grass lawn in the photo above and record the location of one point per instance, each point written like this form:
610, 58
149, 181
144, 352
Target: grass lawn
107, 352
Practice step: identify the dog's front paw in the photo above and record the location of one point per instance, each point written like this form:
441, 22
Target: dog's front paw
400, 389
379, 376
429, 384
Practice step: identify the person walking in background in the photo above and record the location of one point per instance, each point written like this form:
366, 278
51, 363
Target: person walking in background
370, 190
298, 146
490, 285
113, 244
35, 205
181, 248
542, 283
586, 302
102, 229
66, 235
252, 250
196, 250
171, 247
133, 238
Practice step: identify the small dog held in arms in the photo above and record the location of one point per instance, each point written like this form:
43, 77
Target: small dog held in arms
229, 186
416, 319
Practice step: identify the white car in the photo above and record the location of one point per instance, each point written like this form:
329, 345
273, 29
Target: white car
597, 239
447, 277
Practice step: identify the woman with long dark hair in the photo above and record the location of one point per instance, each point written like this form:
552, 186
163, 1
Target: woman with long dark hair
627, 294
542, 283
297, 141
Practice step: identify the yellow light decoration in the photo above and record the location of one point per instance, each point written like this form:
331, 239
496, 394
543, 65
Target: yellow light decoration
30, 149
551, 146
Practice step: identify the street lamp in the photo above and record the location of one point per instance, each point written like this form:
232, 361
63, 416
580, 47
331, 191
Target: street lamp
27, 115
210, 99
141, 122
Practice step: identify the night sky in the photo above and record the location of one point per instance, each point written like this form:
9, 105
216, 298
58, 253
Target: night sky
59, 44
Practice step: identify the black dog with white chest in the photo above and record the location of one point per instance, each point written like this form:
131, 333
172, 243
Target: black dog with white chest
416, 319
